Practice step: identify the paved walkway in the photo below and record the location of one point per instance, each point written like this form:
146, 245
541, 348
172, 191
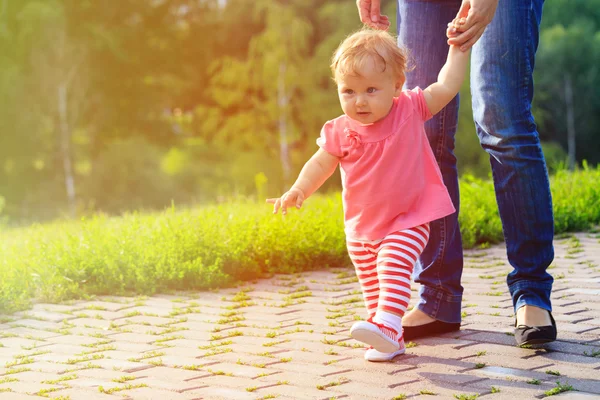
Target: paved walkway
287, 338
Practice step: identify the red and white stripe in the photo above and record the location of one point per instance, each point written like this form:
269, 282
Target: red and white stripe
384, 268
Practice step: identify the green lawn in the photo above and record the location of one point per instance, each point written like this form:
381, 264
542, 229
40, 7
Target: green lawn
216, 246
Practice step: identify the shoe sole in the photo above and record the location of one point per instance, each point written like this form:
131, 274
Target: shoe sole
430, 329
375, 339
535, 341
388, 357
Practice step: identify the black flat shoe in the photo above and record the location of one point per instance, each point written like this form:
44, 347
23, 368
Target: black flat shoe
525, 334
430, 329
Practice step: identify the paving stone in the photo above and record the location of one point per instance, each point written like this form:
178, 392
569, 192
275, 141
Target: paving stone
20, 343
17, 396
101, 306
24, 387
577, 396
299, 392
449, 364
171, 385
134, 337
219, 393
72, 340
29, 333
87, 394
153, 393
49, 367
247, 371
92, 322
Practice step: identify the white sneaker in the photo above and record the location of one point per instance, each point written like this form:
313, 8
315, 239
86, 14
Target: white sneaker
377, 356
381, 337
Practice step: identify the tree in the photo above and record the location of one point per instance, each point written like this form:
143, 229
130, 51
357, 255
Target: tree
567, 77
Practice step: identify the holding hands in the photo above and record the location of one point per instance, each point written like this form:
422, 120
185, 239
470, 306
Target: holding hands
468, 26
470, 22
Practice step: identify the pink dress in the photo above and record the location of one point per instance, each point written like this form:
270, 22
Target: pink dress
390, 178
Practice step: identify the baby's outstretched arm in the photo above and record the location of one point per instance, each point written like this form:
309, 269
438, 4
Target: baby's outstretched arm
450, 79
314, 173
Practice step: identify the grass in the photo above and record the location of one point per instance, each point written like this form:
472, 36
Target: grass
560, 388
219, 246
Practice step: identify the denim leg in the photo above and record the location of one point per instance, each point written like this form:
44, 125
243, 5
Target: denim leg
422, 30
502, 88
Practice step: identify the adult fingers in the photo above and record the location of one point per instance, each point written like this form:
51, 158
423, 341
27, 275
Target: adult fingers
464, 37
375, 10
364, 10
380, 26
464, 9
466, 46
383, 23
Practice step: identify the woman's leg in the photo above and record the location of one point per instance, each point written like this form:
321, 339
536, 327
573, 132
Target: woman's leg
502, 65
422, 29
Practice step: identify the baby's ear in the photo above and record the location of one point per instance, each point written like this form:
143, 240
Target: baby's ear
398, 88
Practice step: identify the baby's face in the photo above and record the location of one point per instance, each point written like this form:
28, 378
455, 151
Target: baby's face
368, 97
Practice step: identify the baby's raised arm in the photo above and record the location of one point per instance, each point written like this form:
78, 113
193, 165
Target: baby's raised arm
450, 79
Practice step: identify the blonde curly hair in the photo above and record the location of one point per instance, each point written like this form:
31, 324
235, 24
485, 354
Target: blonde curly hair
365, 46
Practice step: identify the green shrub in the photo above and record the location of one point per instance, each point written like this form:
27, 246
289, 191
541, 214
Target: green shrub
220, 245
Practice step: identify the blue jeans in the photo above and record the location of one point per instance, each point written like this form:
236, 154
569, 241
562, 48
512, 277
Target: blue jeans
502, 64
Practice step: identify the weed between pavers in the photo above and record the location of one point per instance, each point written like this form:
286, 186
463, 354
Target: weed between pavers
213, 352
219, 372
150, 354
120, 388
97, 350
560, 388
124, 378
466, 396
340, 381
79, 368
44, 392
270, 344
213, 345
594, 353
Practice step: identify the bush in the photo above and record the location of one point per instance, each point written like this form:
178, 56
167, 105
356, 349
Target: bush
215, 246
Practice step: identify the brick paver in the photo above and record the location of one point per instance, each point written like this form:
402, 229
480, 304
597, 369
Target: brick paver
287, 338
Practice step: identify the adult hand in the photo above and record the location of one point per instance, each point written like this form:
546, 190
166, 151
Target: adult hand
293, 197
370, 14
473, 17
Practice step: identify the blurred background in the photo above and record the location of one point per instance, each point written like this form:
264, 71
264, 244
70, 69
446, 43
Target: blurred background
110, 106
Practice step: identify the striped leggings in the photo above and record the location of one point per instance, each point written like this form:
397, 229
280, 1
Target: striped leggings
384, 268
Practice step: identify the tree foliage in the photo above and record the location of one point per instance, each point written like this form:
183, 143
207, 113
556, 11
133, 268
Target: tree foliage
134, 104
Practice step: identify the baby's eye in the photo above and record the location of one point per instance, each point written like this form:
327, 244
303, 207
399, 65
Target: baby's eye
348, 91
371, 90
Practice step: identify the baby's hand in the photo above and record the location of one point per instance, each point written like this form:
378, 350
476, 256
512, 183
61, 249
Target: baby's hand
455, 27
290, 198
